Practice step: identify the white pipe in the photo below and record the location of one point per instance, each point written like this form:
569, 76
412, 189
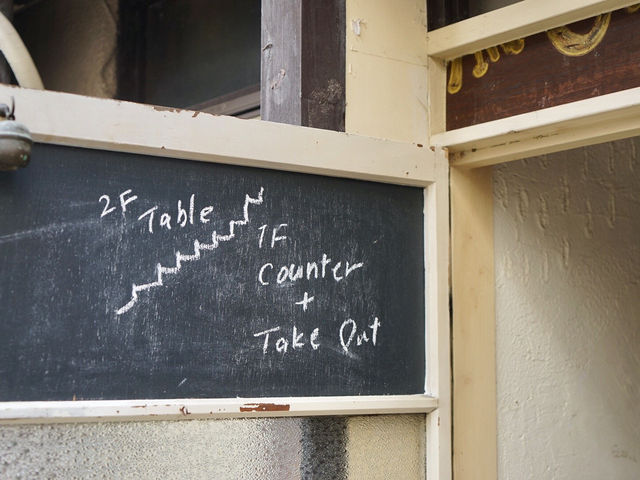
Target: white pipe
18, 57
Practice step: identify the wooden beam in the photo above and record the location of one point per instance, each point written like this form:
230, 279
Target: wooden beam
519, 20
473, 395
387, 70
303, 63
473, 327
387, 97
67, 119
438, 341
191, 408
585, 122
437, 97
245, 100
281, 66
323, 64
546, 74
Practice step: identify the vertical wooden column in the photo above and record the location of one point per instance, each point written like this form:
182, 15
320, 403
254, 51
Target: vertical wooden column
303, 83
303, 63
387, 77
473, 358
386, 58
473, 326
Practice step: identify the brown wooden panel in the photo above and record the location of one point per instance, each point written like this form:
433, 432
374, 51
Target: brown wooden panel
541, 76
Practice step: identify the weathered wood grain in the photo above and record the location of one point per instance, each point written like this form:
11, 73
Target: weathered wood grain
541, 77
303, 63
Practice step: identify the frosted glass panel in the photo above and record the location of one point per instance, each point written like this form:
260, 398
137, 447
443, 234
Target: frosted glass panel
368, 447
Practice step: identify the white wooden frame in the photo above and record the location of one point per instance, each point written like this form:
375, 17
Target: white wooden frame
66, 119
585, 122
580, 123
190, 408
518, 20
572, 125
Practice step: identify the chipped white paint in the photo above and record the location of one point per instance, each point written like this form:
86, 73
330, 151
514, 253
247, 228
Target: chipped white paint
356, 26
568, 314
191, 408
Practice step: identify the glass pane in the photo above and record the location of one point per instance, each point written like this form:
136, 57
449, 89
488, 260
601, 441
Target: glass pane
371, 447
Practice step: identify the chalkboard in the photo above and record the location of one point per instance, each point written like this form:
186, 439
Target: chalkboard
126, 276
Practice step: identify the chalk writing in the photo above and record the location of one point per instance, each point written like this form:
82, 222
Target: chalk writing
306, 300
183, 217
290, 273
348, 332
310, 270
351, 326
197, 248
281, 345
274, 236
271, 238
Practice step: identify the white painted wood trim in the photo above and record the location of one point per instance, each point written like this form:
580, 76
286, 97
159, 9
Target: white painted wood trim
585, 122
189, 409
438, 338
437, 96
518, 20
67, 119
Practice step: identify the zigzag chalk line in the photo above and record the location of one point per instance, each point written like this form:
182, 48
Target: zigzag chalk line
197, 248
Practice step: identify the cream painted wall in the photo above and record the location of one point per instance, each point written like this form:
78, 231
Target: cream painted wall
567, 258
386, 71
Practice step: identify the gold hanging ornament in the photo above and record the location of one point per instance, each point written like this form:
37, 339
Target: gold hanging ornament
574, 44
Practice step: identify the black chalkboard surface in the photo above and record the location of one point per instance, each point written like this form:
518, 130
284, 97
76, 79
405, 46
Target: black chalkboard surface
126, 276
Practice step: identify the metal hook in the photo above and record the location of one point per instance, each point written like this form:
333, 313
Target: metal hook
15, 139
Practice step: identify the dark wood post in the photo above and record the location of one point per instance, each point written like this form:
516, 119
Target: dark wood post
303, 83
303, 63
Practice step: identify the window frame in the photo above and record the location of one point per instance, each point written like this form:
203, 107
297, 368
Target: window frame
581, 123
74, 120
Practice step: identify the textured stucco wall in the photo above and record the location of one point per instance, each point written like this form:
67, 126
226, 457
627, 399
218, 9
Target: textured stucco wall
372, 447
567, 255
